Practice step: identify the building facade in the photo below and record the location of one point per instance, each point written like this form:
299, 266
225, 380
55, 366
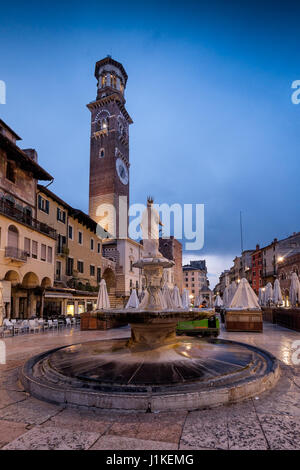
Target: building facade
195, 280
27, 245
171, 249
79, 264
109, 150
290, 264
109, 178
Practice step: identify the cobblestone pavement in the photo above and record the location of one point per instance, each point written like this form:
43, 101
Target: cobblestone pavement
269, 421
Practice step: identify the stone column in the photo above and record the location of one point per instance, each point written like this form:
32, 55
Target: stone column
42, 305
15, 313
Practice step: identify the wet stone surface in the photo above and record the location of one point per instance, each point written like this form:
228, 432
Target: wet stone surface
268, 421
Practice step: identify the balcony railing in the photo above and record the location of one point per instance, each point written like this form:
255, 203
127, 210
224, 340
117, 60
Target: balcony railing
19, 216
15, 254
272, 272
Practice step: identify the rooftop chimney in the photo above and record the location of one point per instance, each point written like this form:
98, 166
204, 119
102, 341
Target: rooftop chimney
31, 153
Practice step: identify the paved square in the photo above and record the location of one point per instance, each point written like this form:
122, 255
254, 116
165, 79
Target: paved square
269, 421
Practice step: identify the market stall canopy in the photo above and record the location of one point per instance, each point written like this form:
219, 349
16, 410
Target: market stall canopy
168, 297
245, 297
103, 299
197, 302
261, 296
294, 290
218, 301
176, 298
268, 296
226, 300
133, 301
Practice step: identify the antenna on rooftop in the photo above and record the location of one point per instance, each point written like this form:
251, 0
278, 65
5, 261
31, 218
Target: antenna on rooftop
241, 229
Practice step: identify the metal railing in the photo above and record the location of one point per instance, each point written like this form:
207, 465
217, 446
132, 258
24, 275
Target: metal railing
272, 272
14, 253
19, 216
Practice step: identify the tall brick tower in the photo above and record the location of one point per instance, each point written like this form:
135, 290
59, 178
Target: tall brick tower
109, 150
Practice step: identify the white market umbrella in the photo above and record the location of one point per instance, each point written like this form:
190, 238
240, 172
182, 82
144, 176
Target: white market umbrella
268, 295
232, 290
277, 295
244, 297
133, 301
261, 295
103, 299
294, 289
185, 298
168, 297
176, 298
218, 301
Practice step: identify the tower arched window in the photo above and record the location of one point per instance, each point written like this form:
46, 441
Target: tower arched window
104, 123
101, 153
13, 237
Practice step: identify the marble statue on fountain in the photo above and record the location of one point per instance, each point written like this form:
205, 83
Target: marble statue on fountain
150, 225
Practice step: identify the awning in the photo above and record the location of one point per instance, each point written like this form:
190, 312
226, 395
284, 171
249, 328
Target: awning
58, 295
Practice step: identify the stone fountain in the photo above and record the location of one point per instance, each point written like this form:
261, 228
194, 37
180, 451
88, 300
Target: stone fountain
153, 369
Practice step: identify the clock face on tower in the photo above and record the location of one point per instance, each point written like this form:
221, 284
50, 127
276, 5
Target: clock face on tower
122, 171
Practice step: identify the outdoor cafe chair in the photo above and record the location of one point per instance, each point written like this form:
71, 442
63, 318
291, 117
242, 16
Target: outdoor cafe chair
25, 326
4, 332
8, 325
42, 324
33, 326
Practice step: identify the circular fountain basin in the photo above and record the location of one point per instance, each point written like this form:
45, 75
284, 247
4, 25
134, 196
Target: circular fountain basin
183, 373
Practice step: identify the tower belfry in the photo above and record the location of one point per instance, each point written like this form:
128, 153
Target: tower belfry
109, 149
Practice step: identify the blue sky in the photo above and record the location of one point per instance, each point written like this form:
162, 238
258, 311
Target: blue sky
209, 91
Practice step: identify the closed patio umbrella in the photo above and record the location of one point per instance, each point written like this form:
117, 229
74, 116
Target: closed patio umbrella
261, 296
168, 297
176, 298
268, 298
133, 301
277, 295
1, 305
232, 290
103, 299
197, 302
294, 290
226, 297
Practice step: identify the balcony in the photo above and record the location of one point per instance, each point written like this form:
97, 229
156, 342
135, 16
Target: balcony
62, 250
14, 254
272, 272
18, 215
